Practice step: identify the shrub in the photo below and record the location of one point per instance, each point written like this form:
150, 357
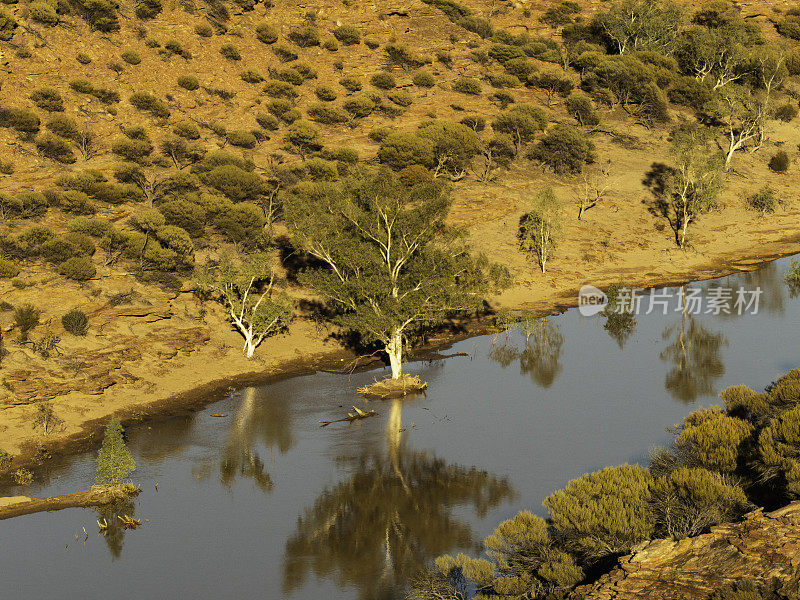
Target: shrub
7, 26
789, 26
284, 53
351, 84
79, 268
23, 120
503, 98
764, 201
712, 440
504, 80
114, 460
83, 58
8, 270
779, 162
304, 136
290, 75
25, 205
383, 80
325, 93
581, 107
48, 99
305, 37
424, 79
467, 85
187, 130
604, 513
327, 114
63, 126
251, 76
58, 250
688, 91
5, 459
188, 82
266, 33
230, 52
280, 89
23, 476
372, 43
359, 106
88, 226
267, 121
132, 149
401, 150
147, 102
521, 122
26, 317
43, 12
564, 149
203, 30
189, 216
175, 47
233, 182
331, 45
242, 139
454, 145
55, 148
132, 57
75, 322
148, 9
786, 112
347, 34
401, 98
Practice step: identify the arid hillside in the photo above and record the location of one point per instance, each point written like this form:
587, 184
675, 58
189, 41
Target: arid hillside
141, 142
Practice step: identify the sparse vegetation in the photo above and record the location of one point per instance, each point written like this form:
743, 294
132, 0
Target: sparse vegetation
114, 460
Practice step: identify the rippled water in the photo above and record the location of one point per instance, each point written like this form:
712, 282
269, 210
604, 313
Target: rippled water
264, 503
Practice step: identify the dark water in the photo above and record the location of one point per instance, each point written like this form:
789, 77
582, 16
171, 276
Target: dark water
266, 504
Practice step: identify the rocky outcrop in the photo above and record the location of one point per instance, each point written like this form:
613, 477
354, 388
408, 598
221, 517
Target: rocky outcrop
763, 546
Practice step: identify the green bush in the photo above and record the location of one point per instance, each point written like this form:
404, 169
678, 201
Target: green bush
331, 45
7, 26
383, 80
522, 122
424, 79
63, 126
147, 102
8, 270
290, 75
25, 205
325, 93
266, 33
786, 112
564, 149
604, 513
114, 460
764, 201
327, 114
75, 322
304, 136
305, 37
284, 53
242, 139
780, 162
230, 52
789, 26
187, 130
79, 268
48, 99
280, 89
251, 76
55, 148
503, 98
267, 121
5, 459
401, 98
22, 119
189, 216
132, 149
88, 226
320, 169
188, 82
379, 134
401, 150
467, 85
351, 84
43, 12
26, 318
347, 34
372, 43
83, 58
233, 182
132, 57
359, 106
58, 250
582, 108
711, 439
778, 461
175, 47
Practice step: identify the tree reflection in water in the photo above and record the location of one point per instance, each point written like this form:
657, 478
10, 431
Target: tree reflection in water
390, 517
115, 534
695, 356
540, 355
258, 421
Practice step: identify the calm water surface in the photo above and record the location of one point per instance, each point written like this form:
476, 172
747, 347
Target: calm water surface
266, 504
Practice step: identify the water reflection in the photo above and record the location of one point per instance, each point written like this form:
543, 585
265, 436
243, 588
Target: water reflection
115, 533
694, 354
540, 354
394, 513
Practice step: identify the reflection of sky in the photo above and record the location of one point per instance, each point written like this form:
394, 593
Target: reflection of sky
601, 405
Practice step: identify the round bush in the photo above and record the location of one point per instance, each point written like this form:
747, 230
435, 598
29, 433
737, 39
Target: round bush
187, 129
242, 139
188, 82
75, 322
266, 33
467, 85
230, 52
203, 30
351, 84
83, 58
780, 162
424, 79
325, 93
305, 37
383, 80
786, 112
48, 99
267, 121
132, 57
79, 268
401, 98
8, 269
347, 34
43, 12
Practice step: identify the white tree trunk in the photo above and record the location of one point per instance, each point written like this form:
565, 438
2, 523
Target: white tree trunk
394, 348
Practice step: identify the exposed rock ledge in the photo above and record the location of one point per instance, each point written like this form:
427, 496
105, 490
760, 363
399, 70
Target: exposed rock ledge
763, 546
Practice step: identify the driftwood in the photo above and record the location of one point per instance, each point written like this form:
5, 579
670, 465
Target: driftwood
357, 415
99, 495
394, 388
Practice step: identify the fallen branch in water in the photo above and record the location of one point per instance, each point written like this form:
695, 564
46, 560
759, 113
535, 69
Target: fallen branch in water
358, 415
99, 495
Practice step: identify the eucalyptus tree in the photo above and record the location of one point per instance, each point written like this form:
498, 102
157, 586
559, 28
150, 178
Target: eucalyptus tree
393, 266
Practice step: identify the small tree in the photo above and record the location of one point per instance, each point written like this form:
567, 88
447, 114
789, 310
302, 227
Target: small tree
246, 289
593, 189
741, 113
394, 267
693, 185
114, 460
541, 226
522, 122
565, 149
633, 25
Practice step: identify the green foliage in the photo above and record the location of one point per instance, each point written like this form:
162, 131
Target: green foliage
114, 460
7, 26
331, 45
242, 139
711, 439
148, 9
83, 58
467, 85
789, 26
686, 502
79, 268
147, 102
582, 108
22, 119
402, 56
48, 99
305, 37
55, 148
522, 122
25, 205
8, 269
780, 161
187, 130
266, 33
5, 459
401, 150
764, 200
778, 460
564, 149
351, 84
132, 149
230, 52
540, 229
75, 322
26, 318
604, 513
632, 25
423, 79
284, 53
132, 57
45, 417
401, 98
347, 34
786, 112
383, 80
63, 126
43, 12
234, 182
267, 121
325, 113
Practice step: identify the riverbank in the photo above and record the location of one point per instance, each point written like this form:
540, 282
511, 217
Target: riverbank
201, 374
